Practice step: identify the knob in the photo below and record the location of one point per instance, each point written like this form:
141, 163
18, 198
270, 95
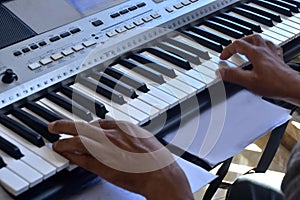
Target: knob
9, 76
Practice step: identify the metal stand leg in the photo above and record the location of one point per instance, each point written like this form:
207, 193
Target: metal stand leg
271, 148
211, 190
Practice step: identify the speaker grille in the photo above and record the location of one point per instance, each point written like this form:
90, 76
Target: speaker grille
12, 29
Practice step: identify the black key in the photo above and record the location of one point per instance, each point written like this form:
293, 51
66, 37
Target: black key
155, 65
185, 45
2, 163
295, 2
204, 41
93, 105
114, 84
143, 70
273, 16
28, 134
276, 8
236, 26
176, 60
43, 112
254, 16
287, 5
102, 90
70, 106
126, 79
211, 35
254, 27
180, 52
10, 149
35, 124
224, 29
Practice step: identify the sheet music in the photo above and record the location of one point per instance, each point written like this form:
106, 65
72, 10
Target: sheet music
229, 127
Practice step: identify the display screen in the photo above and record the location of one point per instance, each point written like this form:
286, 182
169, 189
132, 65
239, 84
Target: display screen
45, 15
87, 7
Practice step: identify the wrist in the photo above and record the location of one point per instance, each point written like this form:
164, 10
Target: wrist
293, 90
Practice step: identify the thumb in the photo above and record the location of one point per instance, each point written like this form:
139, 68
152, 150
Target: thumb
235, 75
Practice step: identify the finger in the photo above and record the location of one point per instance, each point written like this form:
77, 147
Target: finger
239, 46
255, 39
65, 126
235, 75
85, 161
74, 145
274, 48
91, 164
105, 124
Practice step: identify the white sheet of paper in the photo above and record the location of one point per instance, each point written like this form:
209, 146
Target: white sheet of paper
229, 127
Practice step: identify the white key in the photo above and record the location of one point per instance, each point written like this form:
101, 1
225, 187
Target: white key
12, 182
31, 159
266, 37
47, 154
201, 77
183, 87
211, 65
277, 36
172, 101
138, 115
265, 29
22, 169
238, 60
191, 81
172, 90
282, 32
57, 109
206, 71
288, 28
156, 91
156, 102
148, 109
113, 112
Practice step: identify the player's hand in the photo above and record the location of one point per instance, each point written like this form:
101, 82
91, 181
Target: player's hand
125, 155
270, 76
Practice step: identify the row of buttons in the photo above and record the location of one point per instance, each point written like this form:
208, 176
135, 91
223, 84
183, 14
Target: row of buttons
132, 8
133, 25
43, 43
60, 55
181, 5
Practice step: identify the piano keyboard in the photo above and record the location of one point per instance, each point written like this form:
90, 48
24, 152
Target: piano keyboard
138, 87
